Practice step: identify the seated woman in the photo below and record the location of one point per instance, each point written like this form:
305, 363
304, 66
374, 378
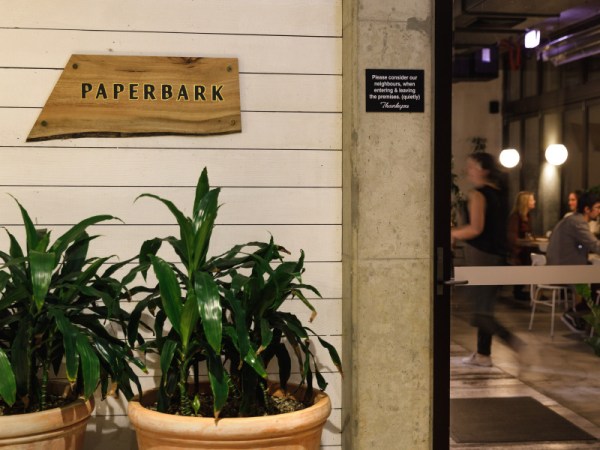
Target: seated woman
520, 228
572, 202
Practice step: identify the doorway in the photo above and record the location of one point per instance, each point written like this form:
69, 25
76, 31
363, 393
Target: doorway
442, 267
441, 232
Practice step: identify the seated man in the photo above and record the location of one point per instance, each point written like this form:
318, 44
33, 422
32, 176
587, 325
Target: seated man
570, 243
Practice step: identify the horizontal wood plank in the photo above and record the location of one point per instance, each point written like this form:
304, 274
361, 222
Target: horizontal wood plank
261, 130
259, 92
256, 54
63, 205
319, 242
139, 167
283, 17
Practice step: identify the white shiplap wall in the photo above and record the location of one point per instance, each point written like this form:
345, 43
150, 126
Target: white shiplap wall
281, 175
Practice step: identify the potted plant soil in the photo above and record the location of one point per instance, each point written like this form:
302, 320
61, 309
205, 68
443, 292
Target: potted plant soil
55, 305
222, 317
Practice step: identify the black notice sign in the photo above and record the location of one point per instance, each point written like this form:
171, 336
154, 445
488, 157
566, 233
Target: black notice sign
391, 90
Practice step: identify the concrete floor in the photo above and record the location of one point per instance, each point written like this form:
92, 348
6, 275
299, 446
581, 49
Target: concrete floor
561, 372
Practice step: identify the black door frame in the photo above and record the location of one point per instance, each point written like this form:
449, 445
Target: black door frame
442, 264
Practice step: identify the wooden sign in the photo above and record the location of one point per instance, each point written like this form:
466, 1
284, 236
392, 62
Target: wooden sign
117, 96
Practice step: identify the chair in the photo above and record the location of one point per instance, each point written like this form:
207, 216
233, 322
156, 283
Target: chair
597, 302
559, 293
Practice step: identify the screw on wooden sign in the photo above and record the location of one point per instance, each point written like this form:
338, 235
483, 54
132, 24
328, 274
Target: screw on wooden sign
395, 90
117, 96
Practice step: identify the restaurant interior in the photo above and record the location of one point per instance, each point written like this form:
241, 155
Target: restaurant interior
536, 97
526, 87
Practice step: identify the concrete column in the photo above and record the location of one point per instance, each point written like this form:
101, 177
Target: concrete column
387, 233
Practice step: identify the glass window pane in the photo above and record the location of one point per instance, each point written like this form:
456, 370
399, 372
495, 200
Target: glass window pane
514, 135
593, 68
551, 77
531, 152
549, 194
574, 140
572, 74
531, 161
593, 162
513, 81
514, 174
530, 74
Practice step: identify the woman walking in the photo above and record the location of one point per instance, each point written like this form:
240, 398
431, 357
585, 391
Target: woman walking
485, 238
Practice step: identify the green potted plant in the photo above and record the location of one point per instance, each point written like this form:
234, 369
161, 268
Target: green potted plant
55, 305
222, 316
592, 318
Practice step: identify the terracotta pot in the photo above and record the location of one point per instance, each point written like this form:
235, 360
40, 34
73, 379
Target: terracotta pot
55, 429
299, 430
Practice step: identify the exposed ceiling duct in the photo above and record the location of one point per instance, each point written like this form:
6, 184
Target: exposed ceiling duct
502, 24
572, 47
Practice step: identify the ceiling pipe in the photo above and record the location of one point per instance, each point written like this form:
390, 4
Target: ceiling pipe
572, 47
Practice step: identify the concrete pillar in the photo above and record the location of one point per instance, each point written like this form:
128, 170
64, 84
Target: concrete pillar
387, 233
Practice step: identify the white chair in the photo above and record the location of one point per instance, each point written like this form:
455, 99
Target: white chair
559, 293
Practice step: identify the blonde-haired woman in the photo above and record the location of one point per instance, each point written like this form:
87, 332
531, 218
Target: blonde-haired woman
520, 227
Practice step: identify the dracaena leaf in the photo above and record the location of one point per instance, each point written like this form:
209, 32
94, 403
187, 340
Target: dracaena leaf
219, 382
75, 255
90, 365
20, 355
266, 333
335, 357
203, 226
170, 292
4, 278
61, 244
239, 320
201, 189
252, 359
209, 306
149, 247
15, 249
166, 357
42, 265
69, 335
8, 384
320, 379
189, 318
134, 320
30, 231
294, 325
185, 225
284, 363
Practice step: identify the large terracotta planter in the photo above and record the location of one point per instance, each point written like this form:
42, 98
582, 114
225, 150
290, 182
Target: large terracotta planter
291, 431
54, 429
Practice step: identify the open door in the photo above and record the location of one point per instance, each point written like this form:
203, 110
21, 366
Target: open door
442, 159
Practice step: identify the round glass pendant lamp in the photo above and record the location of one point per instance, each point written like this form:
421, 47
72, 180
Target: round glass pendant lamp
509, 157
556, 154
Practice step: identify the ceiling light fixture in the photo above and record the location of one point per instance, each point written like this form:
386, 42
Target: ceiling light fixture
556, 154
532, 38
509, 157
